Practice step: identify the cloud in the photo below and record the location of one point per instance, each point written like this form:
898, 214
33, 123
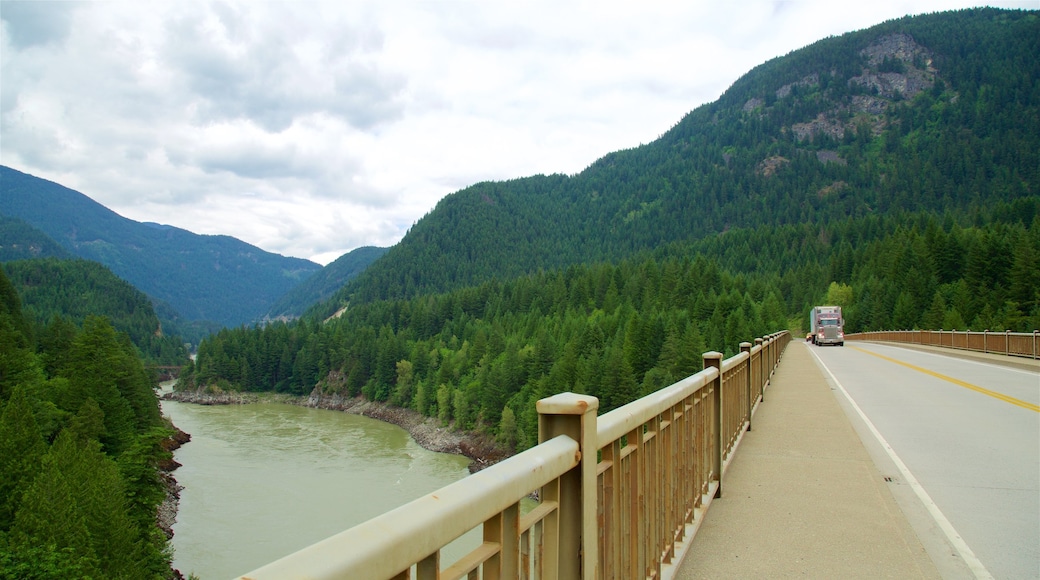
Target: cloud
311, 128
272, 67
31, 24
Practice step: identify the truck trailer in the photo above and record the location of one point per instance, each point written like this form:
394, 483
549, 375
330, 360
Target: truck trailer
827, 325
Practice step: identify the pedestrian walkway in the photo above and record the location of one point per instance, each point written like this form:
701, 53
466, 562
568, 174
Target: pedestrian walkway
803, 498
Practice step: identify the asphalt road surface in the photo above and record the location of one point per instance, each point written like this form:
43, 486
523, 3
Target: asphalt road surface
960, 441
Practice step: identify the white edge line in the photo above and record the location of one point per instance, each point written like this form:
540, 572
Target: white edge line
969, 557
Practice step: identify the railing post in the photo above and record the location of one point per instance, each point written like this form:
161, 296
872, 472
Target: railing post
762, 362
575, 416
714, 359
746, 347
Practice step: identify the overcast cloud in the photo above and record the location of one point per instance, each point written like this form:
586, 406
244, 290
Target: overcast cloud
311, 128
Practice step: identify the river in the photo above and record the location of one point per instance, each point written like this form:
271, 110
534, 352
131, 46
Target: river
264, 480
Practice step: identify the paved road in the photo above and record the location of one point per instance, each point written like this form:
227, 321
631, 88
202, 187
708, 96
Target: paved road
961, 440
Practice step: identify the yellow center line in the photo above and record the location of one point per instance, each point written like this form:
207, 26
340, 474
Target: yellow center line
958, 382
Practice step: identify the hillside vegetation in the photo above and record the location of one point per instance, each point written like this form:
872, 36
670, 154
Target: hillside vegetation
59, 295
80, 439
935, 113
893, 171
21, 241
320, 286
203, 278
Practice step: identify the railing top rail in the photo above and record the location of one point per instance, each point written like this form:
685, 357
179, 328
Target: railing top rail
734, 361
959, 331
384, 546
613, 425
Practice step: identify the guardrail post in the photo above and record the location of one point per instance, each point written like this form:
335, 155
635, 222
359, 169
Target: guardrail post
763, 360
574, 416
714, 359
746, 347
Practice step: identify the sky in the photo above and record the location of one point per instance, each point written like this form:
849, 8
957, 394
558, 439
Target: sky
313, 128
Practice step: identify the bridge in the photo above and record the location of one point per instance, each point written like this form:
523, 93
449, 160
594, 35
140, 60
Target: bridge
863, 461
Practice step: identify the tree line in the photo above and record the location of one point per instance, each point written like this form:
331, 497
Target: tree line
479, 357
80, 440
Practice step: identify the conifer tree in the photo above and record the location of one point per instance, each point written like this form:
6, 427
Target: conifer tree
21, 453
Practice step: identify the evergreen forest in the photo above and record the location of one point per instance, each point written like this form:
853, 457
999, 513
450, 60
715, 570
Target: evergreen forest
58, 295
203, 280
479, 357
80, 441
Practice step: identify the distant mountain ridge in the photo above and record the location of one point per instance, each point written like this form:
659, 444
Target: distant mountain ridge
75, 289
320, 286
214, 278
933, 113
21, 241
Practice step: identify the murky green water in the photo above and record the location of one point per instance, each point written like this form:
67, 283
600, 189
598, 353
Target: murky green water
264, 480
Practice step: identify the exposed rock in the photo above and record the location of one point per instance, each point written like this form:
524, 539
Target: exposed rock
204, 397
426, 431
770, 165
916, 74
820, 125
869, 104
807, 81
166, 514
825, 156
897, 46
752, 104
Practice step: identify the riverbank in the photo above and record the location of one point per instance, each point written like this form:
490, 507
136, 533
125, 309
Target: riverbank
167, 512
479, 448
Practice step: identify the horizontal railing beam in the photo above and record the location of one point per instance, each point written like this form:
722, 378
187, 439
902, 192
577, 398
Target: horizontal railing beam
615, 424
385, 545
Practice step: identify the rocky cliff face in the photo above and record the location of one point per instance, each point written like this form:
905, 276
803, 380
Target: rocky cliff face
895, 68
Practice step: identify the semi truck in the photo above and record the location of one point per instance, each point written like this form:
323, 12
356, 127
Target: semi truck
827, 325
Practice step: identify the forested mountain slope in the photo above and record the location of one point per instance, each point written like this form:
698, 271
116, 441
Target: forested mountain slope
80, 438
892, 171
935, 113
479, 357
59, 295
324, 283
21, 241
217, 278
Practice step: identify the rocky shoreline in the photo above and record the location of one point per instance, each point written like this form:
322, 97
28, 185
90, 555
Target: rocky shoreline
426, 431
481, 449
167, 511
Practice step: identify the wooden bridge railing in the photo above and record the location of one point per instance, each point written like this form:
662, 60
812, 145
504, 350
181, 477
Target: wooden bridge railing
619, 495
1009, 343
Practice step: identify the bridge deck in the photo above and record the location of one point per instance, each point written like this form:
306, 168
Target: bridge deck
803, 496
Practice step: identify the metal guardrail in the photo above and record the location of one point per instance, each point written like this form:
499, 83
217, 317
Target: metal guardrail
1010, 343
620, 496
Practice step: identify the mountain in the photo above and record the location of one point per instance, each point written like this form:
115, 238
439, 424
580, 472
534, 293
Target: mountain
76, 289
324, 283
933, 113
893, 171
21, 241
215, 278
